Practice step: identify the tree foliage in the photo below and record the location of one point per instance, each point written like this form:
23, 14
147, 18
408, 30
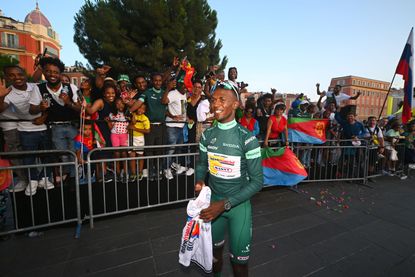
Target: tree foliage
145, 35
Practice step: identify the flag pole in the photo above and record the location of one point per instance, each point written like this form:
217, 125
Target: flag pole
386, 98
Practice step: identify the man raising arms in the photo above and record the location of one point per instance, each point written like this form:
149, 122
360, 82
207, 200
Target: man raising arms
232, 157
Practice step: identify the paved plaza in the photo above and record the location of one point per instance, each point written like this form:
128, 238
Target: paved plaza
322, 229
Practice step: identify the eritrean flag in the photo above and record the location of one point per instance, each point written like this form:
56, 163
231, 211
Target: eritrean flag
405, 68
281, 167
307, 130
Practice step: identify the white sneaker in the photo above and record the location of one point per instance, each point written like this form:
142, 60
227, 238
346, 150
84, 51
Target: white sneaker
178, 168
411, 166
45, 183
403, 177
18, 187
31, 188
167, 174
145, 173
190, 171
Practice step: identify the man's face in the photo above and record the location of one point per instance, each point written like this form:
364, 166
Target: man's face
385, 122
233, 75
123, 85
223, 105
350, 118
157, 82
52, 74
221, 76
336, 89
141, 83
331, 107
267, 102
16, 77
372, 122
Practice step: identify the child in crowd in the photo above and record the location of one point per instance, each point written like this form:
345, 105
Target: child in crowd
84, 143
119, 135
140, 125
248, 121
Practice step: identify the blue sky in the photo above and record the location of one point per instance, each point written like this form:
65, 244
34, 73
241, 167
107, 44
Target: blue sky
289, 45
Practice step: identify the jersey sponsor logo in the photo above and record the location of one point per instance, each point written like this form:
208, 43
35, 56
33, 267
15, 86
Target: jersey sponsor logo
231, 145
224, 166
249, 140
192, 232
212, 141
242, 258
212, 147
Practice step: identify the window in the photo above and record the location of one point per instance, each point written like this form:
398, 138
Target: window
354, 82
9, 40
75, 81
52, 51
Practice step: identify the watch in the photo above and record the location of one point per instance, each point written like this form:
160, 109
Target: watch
228, 205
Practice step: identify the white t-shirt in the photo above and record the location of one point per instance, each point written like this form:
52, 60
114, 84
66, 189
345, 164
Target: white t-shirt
339, 98
177, 106
19, 104
8, 125
373, 131
203, 110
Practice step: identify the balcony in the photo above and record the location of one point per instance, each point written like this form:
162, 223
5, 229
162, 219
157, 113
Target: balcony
12, 47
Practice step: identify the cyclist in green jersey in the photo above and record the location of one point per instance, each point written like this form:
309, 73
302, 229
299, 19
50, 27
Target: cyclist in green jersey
232, 158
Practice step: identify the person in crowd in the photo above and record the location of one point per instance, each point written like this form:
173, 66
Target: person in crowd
410, 144
118, 124
392, 138
84, 142
264, 110
248, 121
277, 125
104, 107
204, 118
383, 125
336, 95
32, 132
176, 101
156, 113
60, 104
11, 137
312, 110
140, 125
300, 110
352, 131
65, 79
228, 145
192, 104
376, 145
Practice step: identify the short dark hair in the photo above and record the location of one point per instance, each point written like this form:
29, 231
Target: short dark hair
139, 76
198, 81
156, 74
53, 61
267, 95
7, 67
371, 117
108, 85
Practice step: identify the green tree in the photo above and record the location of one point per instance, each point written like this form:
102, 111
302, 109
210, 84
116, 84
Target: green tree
145, 35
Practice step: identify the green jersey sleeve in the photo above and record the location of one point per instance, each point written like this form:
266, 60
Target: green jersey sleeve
202, 166
254, 172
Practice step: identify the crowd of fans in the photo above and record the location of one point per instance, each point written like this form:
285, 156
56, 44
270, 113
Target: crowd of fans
160, 110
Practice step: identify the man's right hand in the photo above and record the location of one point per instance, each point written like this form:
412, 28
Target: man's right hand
44, 105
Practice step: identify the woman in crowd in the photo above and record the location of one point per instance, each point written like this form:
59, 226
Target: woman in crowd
277, 124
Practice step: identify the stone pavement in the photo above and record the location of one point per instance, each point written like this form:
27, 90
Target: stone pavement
323, 229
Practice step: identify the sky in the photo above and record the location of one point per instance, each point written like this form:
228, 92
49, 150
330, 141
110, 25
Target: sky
287, 45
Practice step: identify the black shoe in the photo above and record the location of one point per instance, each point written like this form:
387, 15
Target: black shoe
109, 177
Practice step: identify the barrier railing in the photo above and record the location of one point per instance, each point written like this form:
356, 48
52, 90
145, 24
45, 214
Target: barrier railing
47, 202
108, 194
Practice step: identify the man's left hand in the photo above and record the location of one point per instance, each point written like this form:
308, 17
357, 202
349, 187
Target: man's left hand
213, 211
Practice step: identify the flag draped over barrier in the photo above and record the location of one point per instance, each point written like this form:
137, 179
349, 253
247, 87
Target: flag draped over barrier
281, 167
307, 130
405, 68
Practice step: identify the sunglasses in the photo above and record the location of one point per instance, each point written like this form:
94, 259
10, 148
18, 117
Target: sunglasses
225, 85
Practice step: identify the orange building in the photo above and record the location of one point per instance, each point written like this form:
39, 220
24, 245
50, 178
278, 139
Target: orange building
373, 94
25, 40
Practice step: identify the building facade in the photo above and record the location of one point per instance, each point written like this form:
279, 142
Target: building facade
23, 41
373, 94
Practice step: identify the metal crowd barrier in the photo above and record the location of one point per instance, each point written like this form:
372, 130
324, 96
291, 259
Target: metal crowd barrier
45, 207
154, 190
92, 196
